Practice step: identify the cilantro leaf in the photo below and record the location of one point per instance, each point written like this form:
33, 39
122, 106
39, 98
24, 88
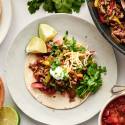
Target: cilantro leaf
63, 6
34, 5
77, 4
82, 90
48, 5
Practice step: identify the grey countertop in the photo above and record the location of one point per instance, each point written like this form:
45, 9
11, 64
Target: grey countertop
20, 18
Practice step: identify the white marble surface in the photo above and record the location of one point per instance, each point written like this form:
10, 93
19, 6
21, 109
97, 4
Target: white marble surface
21, 18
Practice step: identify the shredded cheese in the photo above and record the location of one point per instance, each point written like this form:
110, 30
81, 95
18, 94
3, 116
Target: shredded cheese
73, 59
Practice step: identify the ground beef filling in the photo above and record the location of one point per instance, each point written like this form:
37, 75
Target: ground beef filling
49, 85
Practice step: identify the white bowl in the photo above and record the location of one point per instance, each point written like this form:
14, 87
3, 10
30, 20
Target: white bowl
106, 104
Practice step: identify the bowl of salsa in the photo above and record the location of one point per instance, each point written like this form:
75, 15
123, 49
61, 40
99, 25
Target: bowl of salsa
113, 113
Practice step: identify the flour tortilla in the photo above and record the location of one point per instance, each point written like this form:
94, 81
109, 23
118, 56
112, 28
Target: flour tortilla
56, 102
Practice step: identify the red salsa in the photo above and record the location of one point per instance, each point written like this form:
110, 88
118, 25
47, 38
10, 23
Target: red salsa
114, 113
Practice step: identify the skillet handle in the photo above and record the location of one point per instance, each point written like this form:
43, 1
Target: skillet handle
116, 89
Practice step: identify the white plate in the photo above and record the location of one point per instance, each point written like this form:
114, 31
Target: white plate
5, 19
81, 30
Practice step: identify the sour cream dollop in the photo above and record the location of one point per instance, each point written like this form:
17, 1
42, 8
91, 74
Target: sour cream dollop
57, 73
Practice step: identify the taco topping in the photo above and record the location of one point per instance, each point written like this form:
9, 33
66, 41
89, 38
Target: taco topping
67, 67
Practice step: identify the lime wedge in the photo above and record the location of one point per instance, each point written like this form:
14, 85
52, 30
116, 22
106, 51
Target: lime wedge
46, 32
36, 45
9, 116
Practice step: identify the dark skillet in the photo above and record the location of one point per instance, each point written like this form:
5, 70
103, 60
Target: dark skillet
104, 29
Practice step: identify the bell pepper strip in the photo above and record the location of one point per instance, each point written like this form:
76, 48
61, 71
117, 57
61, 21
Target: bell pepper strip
46, 63
113, 13
102, 19
111, 7
96, 3
116, 19
47, 79
36, 85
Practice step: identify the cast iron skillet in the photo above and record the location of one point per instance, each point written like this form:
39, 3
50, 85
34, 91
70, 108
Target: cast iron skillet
104, 29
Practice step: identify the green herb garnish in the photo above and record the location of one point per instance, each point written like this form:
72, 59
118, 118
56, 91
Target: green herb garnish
55, 63
54, 49
66, 75
72, 44
92, 80
34, 5
57, 6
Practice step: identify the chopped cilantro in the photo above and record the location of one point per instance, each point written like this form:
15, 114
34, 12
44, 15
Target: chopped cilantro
54, 49
72, 44
55, 63
66, 75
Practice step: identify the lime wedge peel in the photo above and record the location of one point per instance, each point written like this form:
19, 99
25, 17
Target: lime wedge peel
9, 116
46, 32
36, 45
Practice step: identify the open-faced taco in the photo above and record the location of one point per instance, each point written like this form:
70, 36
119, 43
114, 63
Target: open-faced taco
60, 73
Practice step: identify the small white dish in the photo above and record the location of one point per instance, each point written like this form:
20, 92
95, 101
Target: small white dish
5, 20
81, 30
